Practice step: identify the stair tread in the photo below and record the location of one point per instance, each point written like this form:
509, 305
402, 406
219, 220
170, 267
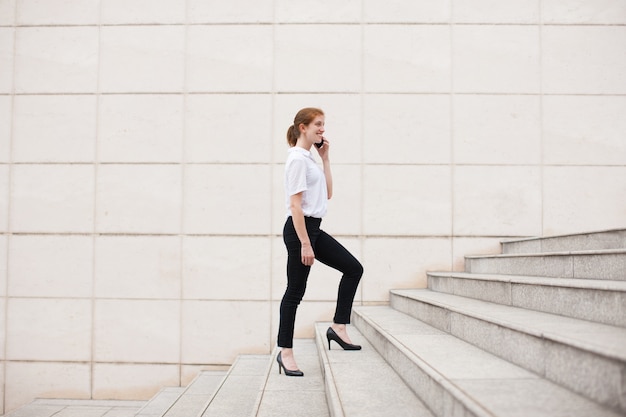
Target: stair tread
161, 402
582, 283
548, 254
565, 235
599, 338
194, 397
491, 385
241, 389
295, 396
364, 383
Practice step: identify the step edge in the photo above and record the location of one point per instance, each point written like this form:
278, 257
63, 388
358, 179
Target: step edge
447, 385
333, 400
185, 389
565, 235
555, 337
577, 283
550, 254
217, 389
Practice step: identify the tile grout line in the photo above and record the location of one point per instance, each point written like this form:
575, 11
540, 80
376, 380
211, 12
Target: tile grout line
95, 235
9, 236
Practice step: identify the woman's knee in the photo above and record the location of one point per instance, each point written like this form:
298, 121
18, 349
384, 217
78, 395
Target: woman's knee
357, 270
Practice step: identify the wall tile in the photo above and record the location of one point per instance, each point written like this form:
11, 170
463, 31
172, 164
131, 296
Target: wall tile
406, 200
343, 123
401, 263
52, 198
497, 200
60, 327
584, 59
3, 365
324, 11
207, 334
7, 12
4, 247
494, 11
332, 54
58, 12
54, 128
142, 59
50, 266
496, 59
407, 129
399, 11
6, 116
6, 58
140, 128
132, 381
138, 267
584, 130
56, 60
497, 129
143, 11
578, 199
139, 198
228, 128
279, 202
234, 11
467, 246
4, 198
229, 58
403, 58
216, 268
152, 336
323, 282
213, 202
583, 11
28, 380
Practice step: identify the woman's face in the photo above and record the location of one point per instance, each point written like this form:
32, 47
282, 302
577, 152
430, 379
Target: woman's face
314, 131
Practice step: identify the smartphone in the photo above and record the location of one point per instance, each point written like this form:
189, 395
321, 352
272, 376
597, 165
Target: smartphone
319, 145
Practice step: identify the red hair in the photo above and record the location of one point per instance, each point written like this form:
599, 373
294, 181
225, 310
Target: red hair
304, 116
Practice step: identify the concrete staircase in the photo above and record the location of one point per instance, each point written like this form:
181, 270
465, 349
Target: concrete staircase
539, 330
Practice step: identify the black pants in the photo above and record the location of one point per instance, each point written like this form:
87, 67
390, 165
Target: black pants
329, 252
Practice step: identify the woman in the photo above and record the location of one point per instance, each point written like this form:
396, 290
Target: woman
307, 189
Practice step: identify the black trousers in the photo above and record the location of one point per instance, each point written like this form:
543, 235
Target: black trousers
327, 251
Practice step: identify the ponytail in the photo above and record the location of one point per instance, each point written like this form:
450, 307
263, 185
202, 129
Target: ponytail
292, 136
304, 116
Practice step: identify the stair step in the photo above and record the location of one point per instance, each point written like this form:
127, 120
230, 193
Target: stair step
588, 358
602, 240
241, 389
82, 408
294, 396
194, 397
361, 383
161, 402
455, 378
601, 301
598, 264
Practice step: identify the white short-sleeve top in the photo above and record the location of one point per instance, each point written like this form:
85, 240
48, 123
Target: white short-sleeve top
302, 174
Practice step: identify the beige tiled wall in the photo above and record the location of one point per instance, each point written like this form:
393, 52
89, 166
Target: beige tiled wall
142, 148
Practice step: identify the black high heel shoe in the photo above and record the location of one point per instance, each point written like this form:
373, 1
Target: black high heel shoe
331, 335
288, 372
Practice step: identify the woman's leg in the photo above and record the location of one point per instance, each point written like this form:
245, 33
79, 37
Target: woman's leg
297, 275
332, 253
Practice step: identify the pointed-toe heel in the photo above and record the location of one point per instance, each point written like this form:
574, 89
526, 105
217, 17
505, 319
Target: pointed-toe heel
288, 372
331, 335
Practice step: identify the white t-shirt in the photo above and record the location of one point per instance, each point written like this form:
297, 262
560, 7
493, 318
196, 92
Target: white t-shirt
302, 174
